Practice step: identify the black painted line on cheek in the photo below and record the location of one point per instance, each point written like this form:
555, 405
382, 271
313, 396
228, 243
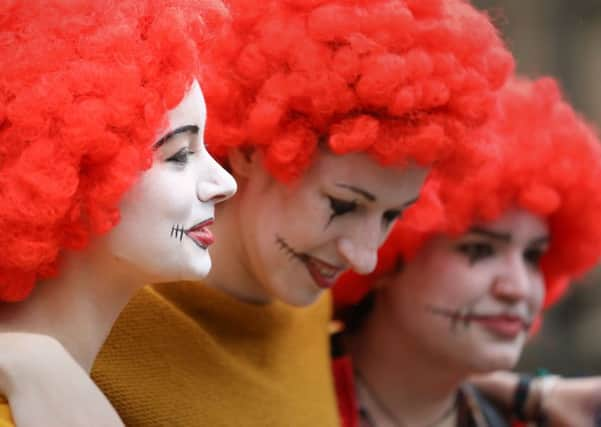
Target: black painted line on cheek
460, 316
452, 315
289, 251
177, 232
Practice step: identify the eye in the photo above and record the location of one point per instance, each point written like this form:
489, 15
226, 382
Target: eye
181, 157
476, 251
533, 256
341, 207
389, 216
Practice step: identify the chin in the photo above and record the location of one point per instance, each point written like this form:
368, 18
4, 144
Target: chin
495, 359
299, 296
199, 269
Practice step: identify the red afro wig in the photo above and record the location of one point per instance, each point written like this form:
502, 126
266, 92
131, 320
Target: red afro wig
543, 158
402, 80
84, 89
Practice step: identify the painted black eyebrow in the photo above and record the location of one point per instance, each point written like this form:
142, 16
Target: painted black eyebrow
505, 237
409, 202
360, 191
188, 128
540, 241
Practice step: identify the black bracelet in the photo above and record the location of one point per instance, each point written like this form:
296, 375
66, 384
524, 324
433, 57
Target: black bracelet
520, 396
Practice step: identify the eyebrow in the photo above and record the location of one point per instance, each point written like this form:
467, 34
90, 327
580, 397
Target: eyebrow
505, 237
360, 191
540, 241
188, 128
410, 202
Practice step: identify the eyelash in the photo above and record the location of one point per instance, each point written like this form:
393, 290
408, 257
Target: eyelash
340, 207
181, 157
533, 256
390, 216
477, 251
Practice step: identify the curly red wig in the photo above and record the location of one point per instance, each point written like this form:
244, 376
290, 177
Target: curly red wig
84, 89
402, 80
543, 158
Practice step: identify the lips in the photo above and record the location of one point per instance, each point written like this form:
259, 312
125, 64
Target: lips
200, 234
324, 274
503, 326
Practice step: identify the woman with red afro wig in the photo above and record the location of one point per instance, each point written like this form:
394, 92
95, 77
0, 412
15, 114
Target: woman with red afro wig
466, 272
104, 177
329, 114
398, 80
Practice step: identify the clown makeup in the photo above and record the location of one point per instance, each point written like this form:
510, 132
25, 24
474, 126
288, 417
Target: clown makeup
341, 207
471, 300
163, 230
507, 323
300, 237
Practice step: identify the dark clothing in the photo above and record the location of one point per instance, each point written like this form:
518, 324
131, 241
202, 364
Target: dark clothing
473, 409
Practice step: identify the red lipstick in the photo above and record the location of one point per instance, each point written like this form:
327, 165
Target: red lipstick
324, 274
503, 326
200, 234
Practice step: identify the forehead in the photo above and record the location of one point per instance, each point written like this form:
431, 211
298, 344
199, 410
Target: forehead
190, 110
362, 171
519, 223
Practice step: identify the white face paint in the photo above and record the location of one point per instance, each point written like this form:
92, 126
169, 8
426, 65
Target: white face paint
468, 302
162, 232
299, 238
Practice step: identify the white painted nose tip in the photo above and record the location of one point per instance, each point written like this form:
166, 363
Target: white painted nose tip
361, 260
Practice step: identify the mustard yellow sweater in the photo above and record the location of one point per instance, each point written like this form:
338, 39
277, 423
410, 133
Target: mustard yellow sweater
185, 355
5, 416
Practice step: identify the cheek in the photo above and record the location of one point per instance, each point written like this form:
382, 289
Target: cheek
154, 205
162, 192
296, 217
538, 293
447, 279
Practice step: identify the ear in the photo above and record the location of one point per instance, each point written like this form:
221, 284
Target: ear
241, 161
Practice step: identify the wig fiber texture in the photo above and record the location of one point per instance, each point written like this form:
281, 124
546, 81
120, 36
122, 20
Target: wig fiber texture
544, 158
84, 90
401, 80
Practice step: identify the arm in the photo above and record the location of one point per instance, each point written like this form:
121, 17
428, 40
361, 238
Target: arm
564, 401
43, 382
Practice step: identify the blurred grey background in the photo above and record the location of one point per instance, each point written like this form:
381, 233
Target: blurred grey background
561, 38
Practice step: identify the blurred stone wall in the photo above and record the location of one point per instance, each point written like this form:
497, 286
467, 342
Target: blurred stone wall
561, 38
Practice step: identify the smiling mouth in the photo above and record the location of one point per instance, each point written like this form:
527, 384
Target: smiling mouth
323, 274
503, 325
200, 234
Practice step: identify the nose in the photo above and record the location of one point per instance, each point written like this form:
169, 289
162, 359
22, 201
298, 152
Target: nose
515, 281
215, 184
359, 248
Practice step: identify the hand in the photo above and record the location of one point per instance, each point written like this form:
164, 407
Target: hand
46, 386
569, 402
573, 402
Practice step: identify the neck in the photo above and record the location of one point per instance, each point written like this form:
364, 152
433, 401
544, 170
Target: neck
230, 271
78, 308
407, 385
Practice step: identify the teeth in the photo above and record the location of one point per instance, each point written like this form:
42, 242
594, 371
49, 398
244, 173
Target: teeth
325, 271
